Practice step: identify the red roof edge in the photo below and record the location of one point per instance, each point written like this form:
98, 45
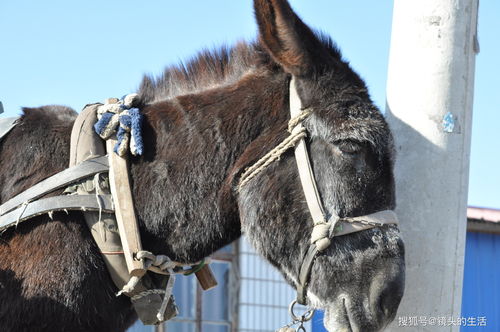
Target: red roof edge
486, 214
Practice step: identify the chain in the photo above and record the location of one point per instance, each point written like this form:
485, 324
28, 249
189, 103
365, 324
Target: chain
289, 328
300, 320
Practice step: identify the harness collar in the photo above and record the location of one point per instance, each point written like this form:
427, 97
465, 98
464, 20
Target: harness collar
109, 215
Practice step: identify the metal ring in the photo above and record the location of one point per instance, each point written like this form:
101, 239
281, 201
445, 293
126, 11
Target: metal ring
304, 317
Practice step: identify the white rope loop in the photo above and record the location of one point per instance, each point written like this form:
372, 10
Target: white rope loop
320, 236
130, 286
160, 264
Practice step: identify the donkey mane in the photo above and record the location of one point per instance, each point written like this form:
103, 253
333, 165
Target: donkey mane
214, 68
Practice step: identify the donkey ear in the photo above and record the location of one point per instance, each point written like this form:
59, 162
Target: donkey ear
289, 41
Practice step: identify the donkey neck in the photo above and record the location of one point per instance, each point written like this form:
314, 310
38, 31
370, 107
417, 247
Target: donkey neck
196, 146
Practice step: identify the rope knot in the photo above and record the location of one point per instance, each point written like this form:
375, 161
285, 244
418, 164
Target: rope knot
271, 156
320, 235
120, 118
298, 119
157, 263
275, 154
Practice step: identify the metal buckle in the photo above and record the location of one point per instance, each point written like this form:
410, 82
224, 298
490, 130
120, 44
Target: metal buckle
305, 317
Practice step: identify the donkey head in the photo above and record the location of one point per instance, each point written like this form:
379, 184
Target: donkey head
359, 279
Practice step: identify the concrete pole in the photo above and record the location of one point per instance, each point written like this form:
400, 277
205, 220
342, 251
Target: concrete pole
429, 108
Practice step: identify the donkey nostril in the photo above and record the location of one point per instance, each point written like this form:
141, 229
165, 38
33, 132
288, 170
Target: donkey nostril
390, 297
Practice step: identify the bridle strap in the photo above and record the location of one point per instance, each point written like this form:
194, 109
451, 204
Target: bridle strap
348, 225
303, 162
310, 189
313, 199
304, 274
311, 193
356, 224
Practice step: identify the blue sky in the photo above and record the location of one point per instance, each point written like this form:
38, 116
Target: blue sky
76, 52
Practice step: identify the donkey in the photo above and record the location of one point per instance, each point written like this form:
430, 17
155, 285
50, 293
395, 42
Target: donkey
205, 123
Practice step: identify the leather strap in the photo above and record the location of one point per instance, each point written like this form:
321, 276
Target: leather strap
304, 274
56, 203
303, 164
126, 219
57, 181
356, 224
348, 225
311, 193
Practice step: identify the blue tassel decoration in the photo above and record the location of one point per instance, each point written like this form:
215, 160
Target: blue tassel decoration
136, 131
101, 125
128, 128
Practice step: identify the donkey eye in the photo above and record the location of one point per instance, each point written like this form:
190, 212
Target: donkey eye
349, 147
